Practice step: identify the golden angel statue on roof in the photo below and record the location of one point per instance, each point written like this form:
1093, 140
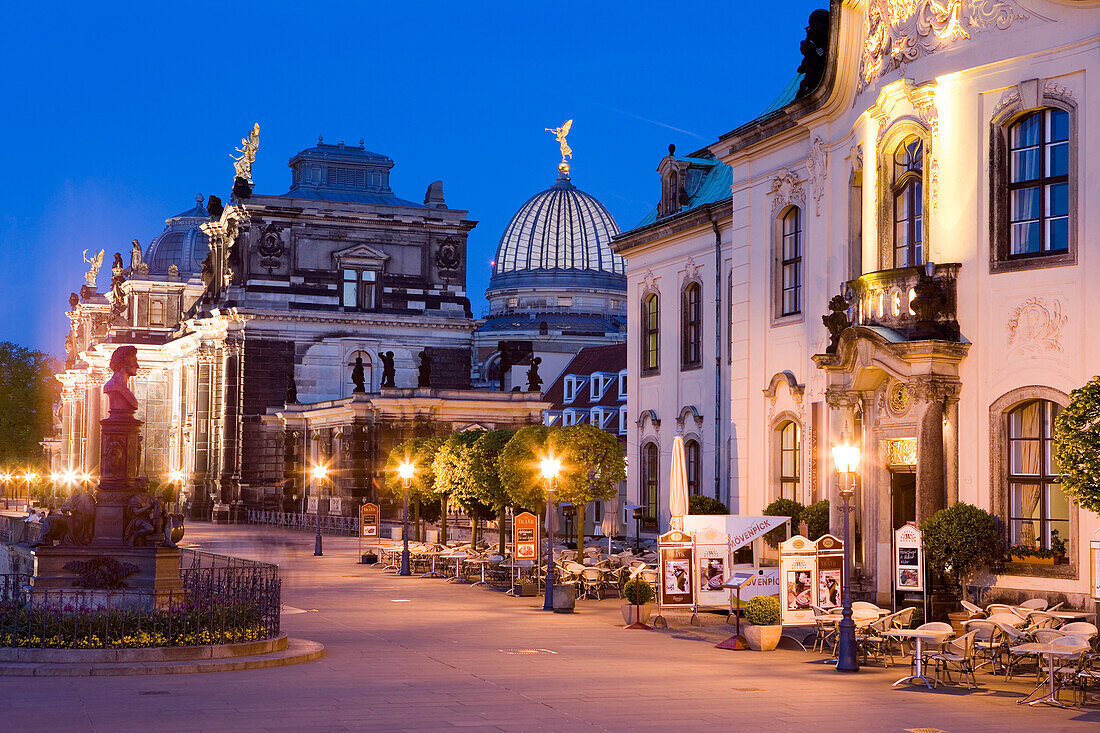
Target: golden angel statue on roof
95, 263
560, 134
249, 146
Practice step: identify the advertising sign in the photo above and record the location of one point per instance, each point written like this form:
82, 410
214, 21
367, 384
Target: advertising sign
335, 506
764, 582
676, 581
368, 521
798, 580
830, 571
525, 536
1094, 547
311, 505
908, 559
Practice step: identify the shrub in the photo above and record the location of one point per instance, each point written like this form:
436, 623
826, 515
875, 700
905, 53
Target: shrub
700, 504
1077, 445
762, 611
959, 541
782, 508
638, 592
816, 517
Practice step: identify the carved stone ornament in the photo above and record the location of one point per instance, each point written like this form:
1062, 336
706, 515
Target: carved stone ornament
898, 32
1059, 90
1035, 326
1009, 98
447, 255
900, 451
932, 389
271, 245
650, 281
692, 268
101, 572
785, 190
817, 165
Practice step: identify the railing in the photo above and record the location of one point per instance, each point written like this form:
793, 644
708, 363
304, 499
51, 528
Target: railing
229, 600
909, 300
14, 529
330, 523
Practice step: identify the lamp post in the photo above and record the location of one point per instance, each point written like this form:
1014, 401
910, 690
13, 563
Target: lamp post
846, 458
638, 527
319, 473
28, 478
549, 467
405, 471
175, 478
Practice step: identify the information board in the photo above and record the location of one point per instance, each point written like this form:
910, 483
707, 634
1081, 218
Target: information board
830, 571
908, 559
798, 580
525, 536
676, 581
336, 506
311, 505
712, 568
368, 521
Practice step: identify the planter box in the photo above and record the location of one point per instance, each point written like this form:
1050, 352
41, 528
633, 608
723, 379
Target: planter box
1032, 560
636, 614
762, 638
565, 598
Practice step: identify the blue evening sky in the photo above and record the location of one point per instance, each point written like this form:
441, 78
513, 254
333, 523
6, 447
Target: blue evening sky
116, 114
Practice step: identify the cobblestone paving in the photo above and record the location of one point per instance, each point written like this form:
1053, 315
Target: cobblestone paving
412, 654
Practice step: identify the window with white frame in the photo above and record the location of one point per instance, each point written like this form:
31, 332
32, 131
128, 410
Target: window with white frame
572, 387
569, 417
622, 385
622, 420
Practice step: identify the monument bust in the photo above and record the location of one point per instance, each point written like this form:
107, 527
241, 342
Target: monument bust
124, 364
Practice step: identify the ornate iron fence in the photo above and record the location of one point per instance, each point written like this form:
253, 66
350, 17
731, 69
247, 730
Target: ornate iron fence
331, 524
223, 600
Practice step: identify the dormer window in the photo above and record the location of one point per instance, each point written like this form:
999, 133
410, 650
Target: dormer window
622, 385
572, 387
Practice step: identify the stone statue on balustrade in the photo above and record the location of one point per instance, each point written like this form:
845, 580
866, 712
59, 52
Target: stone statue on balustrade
387, 368
424, 379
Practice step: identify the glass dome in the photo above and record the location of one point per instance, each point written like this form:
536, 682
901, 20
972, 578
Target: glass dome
182, 243
560, 231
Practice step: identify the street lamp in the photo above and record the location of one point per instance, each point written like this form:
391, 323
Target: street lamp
319, 473
28, 478
846, 458
405, 471
549, 467
176, 479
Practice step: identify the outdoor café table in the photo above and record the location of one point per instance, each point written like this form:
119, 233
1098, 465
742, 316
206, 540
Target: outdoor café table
394, 552
458, 557
918, 653
433, 573
1050, 652
482, 562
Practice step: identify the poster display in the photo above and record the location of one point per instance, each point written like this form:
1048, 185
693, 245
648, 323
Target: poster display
830, 571
908, 559
798, 580
311, 505
1094, 552
712, 568
676, 579
368, 521
336, 506
525, 536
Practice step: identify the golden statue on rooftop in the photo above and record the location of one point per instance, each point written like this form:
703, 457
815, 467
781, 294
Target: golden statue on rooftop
93, 272
560, 134
249, 146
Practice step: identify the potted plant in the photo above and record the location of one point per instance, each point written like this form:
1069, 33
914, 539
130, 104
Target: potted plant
958, 542
763, 627
637, 608
1031, 555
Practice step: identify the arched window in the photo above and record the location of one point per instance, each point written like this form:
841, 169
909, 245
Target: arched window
908, 193
1038, 183
790, 268
692, 316
790, 459
693, 464
650, 482
651, 332
1038, 510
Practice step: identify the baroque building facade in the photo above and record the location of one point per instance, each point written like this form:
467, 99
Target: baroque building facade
922, 184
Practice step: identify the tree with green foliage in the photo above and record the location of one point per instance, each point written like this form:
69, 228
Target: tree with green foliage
454, 477
28, 393
1077, 445
700, 504
816, 517
959, 541
518, 466
593, 465
782, 508
420, 452
486, 486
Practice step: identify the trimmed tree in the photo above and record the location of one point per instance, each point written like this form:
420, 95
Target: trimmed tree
28, 392
592, 467
454, 476
959, 541
816, 517
486, 487
700, 504
518, 467
782, 508
422, 495
1077, 445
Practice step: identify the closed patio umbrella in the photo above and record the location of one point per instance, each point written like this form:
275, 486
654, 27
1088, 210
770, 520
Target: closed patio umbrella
612, 521
677, 485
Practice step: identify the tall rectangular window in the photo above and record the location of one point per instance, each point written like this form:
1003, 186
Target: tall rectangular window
1039, 183
692, 336
358, 290
791, 267
651, 333
1038, 510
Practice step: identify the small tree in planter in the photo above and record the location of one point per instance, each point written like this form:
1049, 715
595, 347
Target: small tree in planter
764, 629
959, 541
638, 594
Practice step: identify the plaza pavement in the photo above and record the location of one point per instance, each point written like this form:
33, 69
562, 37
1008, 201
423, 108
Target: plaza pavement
412, 654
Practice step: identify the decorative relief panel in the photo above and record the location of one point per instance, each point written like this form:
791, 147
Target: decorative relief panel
898, 32
817, 164
899, 451
785, 190
1035, 327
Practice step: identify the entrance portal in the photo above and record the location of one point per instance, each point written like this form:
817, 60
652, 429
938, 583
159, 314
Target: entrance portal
903, 489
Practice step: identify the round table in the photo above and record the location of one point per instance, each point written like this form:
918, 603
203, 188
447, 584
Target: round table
432, 573
482, 563
919, 637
